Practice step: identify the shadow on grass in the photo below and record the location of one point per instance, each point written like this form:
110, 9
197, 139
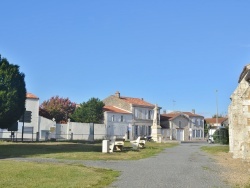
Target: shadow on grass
10, 150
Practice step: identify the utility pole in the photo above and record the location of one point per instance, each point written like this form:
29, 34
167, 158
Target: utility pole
217, 107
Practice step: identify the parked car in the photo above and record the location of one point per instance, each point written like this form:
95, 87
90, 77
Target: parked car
210, 139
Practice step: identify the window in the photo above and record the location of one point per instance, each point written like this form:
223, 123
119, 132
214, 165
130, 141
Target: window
179, 124
149, 114
149, 130
113, 118
194, 134
198, 132
201, 123
121, 118
136, 113
136, 130
140, 114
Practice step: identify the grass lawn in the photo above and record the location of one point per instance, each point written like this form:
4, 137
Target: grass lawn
216, 149
77, 151
29, 174
32, 174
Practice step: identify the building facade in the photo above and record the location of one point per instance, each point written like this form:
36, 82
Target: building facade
182, 126
139, 114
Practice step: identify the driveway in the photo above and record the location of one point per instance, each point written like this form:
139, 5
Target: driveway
181, 166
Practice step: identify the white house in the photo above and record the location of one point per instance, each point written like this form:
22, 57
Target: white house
117, 121
182, 126
216, 123
135, 114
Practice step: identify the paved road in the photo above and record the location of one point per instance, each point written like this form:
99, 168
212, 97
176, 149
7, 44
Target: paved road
180, 167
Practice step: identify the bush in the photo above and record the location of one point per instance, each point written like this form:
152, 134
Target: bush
221, 136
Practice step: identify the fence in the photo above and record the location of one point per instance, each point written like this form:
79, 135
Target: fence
76, 131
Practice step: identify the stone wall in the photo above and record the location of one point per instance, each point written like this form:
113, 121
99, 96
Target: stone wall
239, 118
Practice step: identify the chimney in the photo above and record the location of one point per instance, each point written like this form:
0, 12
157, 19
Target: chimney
117, 94
142, 99
193, 111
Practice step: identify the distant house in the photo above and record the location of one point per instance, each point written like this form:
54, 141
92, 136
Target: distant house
31, 105
216, 123
239, 117
182, 126
133, 115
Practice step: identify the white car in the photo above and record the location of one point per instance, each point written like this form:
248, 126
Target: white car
210, 139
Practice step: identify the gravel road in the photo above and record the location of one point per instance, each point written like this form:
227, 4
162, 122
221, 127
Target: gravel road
182, 166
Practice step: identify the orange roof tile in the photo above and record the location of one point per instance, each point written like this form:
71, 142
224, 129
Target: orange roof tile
114, 110
136, 101
191, 114
173, 115
214, 120
31, 96
170, 116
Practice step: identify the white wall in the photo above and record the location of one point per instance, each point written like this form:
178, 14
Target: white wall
33, 106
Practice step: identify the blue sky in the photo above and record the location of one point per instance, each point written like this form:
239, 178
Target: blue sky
157, 50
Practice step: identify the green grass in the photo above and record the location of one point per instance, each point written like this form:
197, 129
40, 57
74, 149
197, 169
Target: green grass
32, 174
216, 149
77, 151
29, 174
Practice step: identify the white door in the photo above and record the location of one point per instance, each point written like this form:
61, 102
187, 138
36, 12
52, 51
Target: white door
180, 134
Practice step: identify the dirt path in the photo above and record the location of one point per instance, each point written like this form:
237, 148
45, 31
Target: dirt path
235, 171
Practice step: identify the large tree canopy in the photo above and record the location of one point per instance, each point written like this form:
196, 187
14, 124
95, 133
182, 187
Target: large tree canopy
58, 108
12, 93
89, 112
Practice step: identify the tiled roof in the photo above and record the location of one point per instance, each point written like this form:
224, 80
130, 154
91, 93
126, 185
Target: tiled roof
31, 96
136, 101
114, 110
165, 117
214, 120
172, 115
190, 114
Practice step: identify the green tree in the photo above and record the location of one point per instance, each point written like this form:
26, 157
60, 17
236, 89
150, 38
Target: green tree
89, 112
219, 116
58, 108
221, 136
206, 128
12, 93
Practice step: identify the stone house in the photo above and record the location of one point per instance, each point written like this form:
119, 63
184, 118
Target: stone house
182, 126
216, 123
135, 114
239, 117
